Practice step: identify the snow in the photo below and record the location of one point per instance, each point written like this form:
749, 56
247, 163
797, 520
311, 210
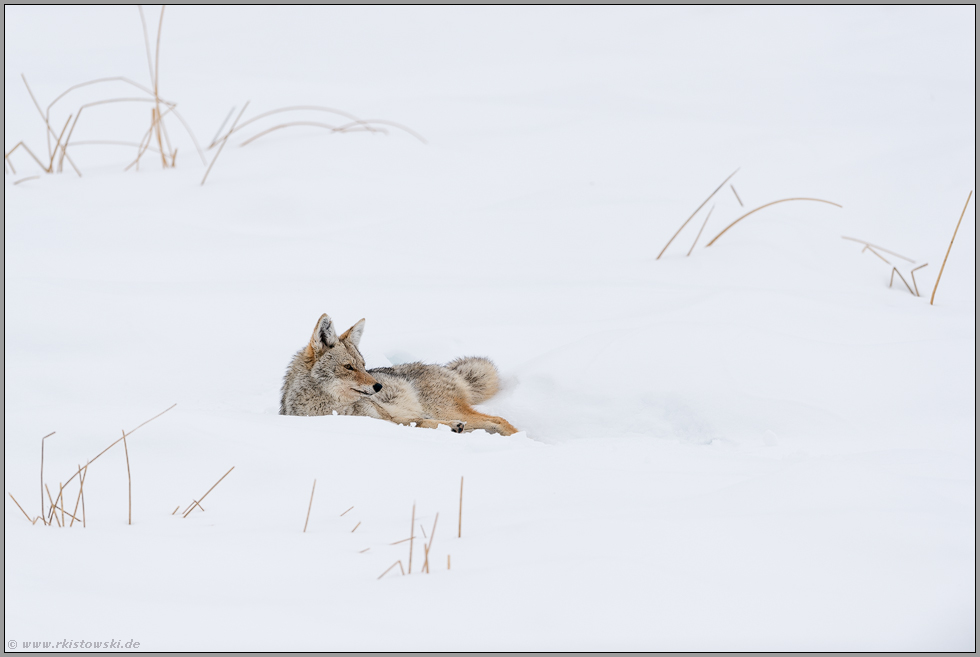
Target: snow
758, 447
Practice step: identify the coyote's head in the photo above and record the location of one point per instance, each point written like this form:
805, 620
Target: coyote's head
336, 364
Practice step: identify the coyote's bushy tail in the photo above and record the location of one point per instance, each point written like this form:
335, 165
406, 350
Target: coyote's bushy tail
481, 375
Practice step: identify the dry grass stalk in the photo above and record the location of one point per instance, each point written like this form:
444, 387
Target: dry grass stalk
345, 512
175, 510
197, 502
423, 530
42, 475
695, 212
129, 477
736, 196
57, 144
882, 249
355, 122
81, 491
449, 562
47, 123
223, 124
355, 527
61, 498
460, 532
51, 509
21, 144
785, 200
17, 182
78, 500
22, 509
411, 540
223, 142
431, 539
309, 508
117, 441
892, 280
60, 507
402, 541
397, 563
912, 273
691, 250
933, 298
364, 550
868, 248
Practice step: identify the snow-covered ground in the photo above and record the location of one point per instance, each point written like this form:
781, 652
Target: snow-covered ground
758, 447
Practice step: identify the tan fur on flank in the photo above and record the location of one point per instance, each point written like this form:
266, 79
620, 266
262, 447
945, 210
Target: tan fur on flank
328, 375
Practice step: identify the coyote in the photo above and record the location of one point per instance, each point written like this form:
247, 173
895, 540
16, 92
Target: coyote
328, 375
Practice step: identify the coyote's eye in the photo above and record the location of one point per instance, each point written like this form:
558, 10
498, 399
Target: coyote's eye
349, 366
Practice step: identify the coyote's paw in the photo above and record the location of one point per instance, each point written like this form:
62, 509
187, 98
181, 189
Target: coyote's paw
456, 425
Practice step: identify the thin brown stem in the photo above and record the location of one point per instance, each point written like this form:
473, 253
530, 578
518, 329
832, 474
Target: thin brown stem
119, 440
694, 213
868, 248
912, 273
345, 512
223, 142
882, 249
736, 196
785, 200
57, 144
129, 477
355, 527
61, 498
42, 474
51, 508
364, 550
449, 562
933, 298
397, 563
411, 540
460, 533
402, 541
29, 152
21, 509
431, 539
310, 507
81, 491
313, 124
895, 271
78, 499
176, 510
17, 182
209, 490
691, 250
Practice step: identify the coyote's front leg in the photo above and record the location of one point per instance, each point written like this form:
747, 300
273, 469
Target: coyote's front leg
428, 423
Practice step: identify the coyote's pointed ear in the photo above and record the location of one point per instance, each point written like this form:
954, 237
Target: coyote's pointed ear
354, 333
324, 337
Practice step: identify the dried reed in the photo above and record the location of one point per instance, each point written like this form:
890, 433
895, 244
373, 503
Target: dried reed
345, 512
882, 249
129, 477
175, 510
736, 196
892, 280
868, 248
364, 550
22, 509
310, 507
818, 200
695, 212
691, 250
78, 500
116, 442
933, 298
411, 540
460, 532
52, 508
223, 142
355, 527
198, 502
912, 273
449, 562
429, 545
17, 182
42, 474
397, 563
402, 541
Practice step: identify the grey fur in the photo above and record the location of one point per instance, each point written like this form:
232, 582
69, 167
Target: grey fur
328, 375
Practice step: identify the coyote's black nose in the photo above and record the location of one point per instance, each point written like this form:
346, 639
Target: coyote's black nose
377, 387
